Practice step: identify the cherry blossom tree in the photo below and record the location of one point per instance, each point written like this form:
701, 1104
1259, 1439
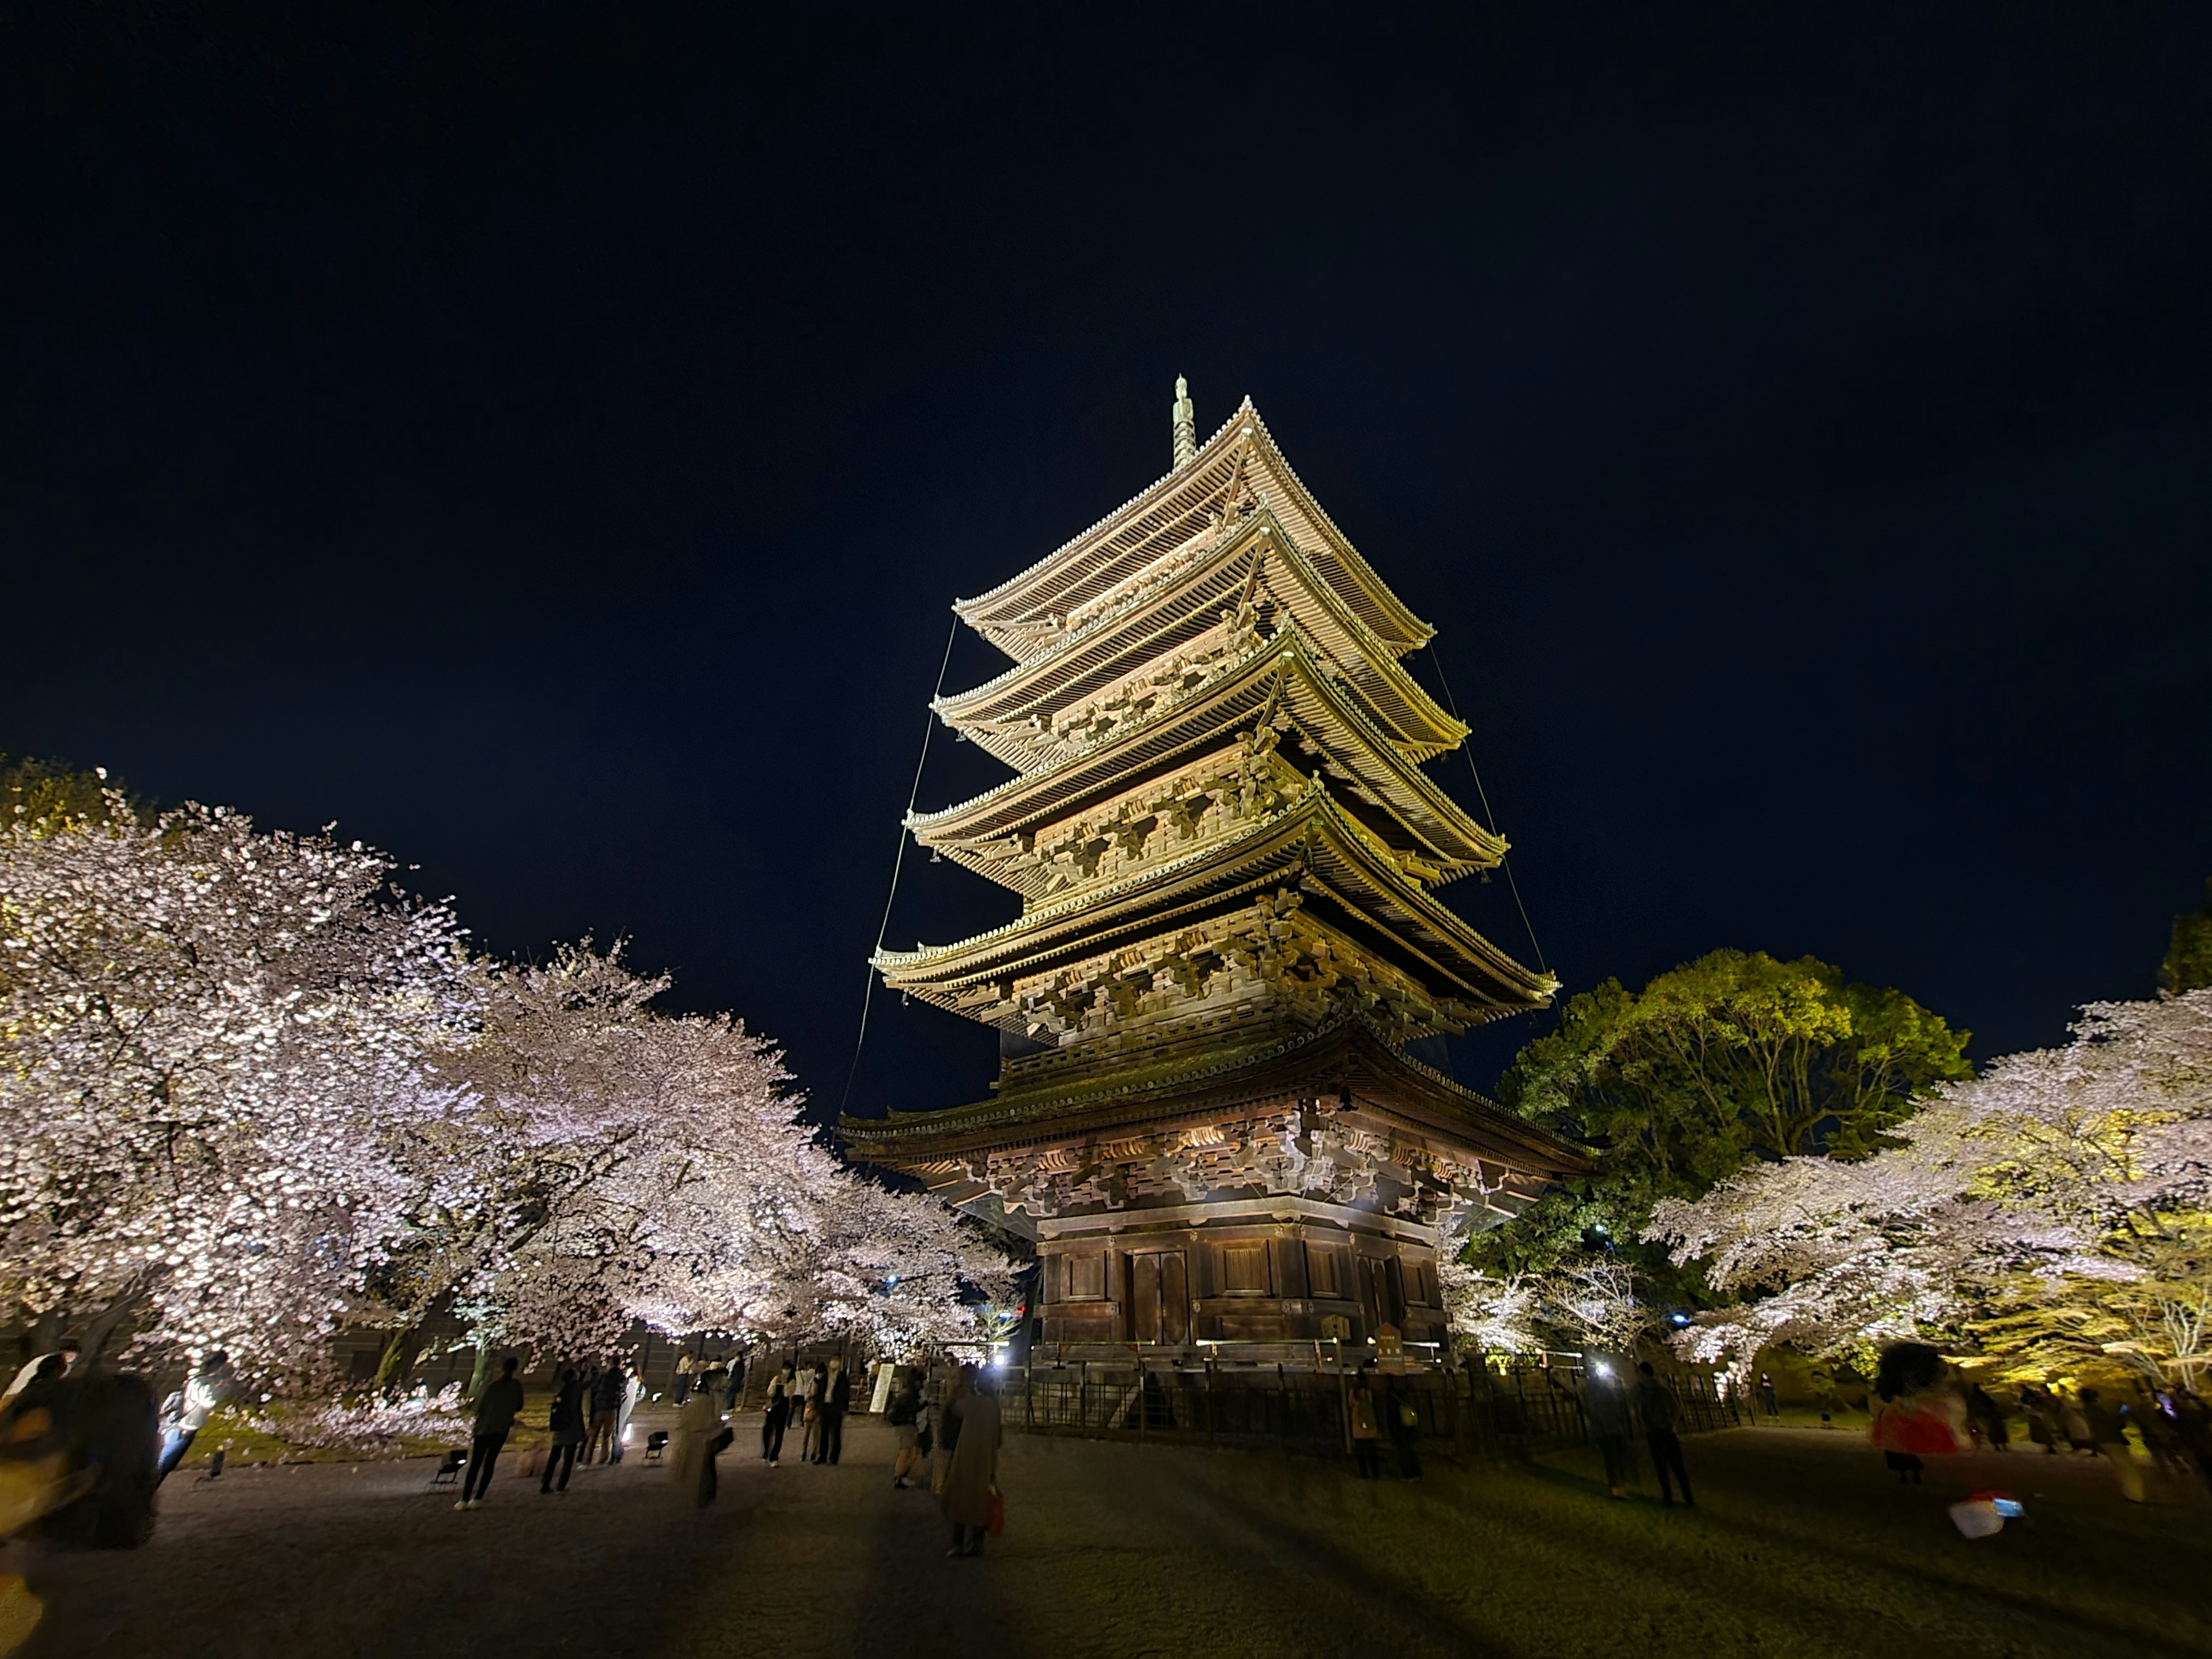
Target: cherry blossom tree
251, 1091
2053, 1212
210, 1054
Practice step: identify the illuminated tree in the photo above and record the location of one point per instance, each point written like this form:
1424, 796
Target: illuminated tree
210, 1053
2054, 1212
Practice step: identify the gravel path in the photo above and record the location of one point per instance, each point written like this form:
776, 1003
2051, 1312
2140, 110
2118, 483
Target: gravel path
1803, 1547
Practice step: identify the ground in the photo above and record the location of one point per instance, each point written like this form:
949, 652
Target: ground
1801, 1546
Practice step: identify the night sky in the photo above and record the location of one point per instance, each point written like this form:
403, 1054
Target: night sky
545, 442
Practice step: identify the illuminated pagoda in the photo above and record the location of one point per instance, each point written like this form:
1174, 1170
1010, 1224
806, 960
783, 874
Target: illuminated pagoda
1208, 1118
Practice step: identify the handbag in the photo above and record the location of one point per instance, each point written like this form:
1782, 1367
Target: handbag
995, 1518
924, 1440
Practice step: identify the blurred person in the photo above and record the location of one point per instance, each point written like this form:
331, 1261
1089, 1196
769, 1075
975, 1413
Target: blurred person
1405, 1425
210, 1387
2042, 1418
948, 1426
904, 1415
1986, 1418
971, 1481
1366, 1425
2073, 1422
566, 1420
699, 1438
497, 1408
68, 1351
1767, 1395
1920, 1414
1605, 1414
2108, 1434
1662, 1418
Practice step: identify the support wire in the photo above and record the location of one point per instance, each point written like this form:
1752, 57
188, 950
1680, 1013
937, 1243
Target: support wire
898, 863
1503, 863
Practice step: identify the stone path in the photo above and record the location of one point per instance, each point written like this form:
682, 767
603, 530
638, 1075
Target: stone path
1802, 1547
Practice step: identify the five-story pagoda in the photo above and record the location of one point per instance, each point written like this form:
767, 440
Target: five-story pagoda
1226, 851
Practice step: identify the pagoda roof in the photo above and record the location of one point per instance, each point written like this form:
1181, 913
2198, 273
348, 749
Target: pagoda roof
1311, 842
1023, 616
1011, 716
1278, 679
1347, 1055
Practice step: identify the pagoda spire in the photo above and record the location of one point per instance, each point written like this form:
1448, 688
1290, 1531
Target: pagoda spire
1186, 426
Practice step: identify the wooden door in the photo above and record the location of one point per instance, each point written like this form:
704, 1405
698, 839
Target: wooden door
1175, 1298
1145, 1299
1159, 1297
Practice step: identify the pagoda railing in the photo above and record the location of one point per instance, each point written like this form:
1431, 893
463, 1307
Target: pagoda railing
1497, 1412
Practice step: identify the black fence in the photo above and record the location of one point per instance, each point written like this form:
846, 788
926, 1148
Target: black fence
1484, 1413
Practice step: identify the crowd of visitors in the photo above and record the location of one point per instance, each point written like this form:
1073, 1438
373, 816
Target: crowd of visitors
585, 1421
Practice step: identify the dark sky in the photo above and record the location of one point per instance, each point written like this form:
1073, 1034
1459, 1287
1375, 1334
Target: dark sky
545, 442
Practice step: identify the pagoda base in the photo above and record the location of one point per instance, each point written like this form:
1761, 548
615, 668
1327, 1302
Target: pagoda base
1238, 1271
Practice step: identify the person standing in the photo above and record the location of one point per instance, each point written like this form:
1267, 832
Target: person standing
1766, 1397
1985, 1417
904, 1415
774, 1416
609, 1388
1366, 1427
972, 1480
1663, 1416
948, 1427
836, 1400
210, 1386
566, 1420
1605, 1414
700, 1438
497, 1407
2108, 1433
1405, 1424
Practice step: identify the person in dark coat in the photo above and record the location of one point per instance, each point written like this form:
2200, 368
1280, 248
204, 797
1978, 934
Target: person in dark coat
836, 1400
774, 1418
608, 1388
566, 1420
1404, 1425
497, 1407
1662, 1415
972, 1478
1605, 1414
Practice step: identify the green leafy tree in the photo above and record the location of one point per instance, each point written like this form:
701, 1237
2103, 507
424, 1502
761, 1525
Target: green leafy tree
49, 794
2188, 965
1733, 1057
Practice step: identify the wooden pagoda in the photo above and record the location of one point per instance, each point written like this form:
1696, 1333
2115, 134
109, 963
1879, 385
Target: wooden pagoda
1208, 1118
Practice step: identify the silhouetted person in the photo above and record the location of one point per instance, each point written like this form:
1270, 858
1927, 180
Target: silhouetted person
775, 1417
1605, 1414
836, 1400
609, 1388
905, 1418
1366, 1428
1662, 1433
566, 1420
1766, 1395
497, 1407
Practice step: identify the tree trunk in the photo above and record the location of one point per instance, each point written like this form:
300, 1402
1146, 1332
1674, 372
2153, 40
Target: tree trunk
393, 1360
481, 1370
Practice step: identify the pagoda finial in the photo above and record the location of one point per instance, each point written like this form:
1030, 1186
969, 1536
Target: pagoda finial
1185, 425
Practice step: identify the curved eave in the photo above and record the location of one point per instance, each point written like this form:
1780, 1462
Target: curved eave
994, 715
1011, 616
1348, 1048
1176, 735
1152, 900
